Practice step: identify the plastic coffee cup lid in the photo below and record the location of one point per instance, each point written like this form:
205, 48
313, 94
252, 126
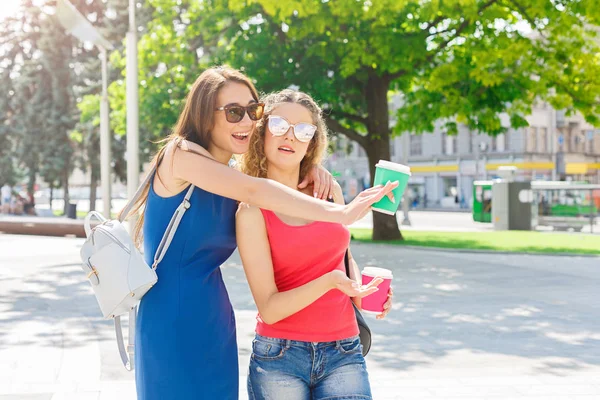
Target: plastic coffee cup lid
393, 166
376, 271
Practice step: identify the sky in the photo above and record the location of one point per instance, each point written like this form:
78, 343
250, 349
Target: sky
8, 7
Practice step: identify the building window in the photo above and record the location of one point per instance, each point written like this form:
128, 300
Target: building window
572, 141
471, 148
361, 151
444, 144
531, 141
449, 144
500, 142
416, 145
450, 187
543, 142
592, 142
596, 142
482, 143
579, 142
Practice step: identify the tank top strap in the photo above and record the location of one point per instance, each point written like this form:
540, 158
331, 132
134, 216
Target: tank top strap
271, 221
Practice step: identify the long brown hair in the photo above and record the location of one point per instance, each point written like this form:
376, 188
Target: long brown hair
194, 124
254, 162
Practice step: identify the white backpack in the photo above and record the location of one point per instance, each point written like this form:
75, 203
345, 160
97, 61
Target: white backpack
117, 271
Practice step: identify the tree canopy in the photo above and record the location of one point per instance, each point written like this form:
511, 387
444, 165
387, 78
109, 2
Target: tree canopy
458, 62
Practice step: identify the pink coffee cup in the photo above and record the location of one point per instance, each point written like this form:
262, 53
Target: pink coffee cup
373, 303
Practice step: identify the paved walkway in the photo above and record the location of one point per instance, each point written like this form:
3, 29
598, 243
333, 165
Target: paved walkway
464, 326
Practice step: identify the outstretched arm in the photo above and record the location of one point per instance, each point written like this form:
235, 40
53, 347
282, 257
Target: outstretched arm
193, 166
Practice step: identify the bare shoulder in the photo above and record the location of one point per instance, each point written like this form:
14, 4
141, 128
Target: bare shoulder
165, 182
192, 147
250, 225
248, 213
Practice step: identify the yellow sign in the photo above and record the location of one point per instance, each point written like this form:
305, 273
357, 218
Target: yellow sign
571, 168
576, 168
522, 165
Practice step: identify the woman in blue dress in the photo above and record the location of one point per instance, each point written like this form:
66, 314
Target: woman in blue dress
185, 335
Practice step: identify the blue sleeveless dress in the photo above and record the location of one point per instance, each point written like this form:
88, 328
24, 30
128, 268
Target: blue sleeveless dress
185, 335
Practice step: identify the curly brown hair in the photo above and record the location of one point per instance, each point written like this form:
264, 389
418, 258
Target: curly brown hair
254, 161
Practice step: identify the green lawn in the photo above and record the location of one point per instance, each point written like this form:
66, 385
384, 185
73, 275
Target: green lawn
80, 214
59, 213
512, 241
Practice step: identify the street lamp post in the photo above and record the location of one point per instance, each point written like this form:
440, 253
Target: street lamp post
405, 200
132, 109
78, 26
105, 156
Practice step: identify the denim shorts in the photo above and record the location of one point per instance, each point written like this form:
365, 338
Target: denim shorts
283, 369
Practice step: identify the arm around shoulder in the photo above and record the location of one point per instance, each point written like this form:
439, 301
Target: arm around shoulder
215, 177
192, 165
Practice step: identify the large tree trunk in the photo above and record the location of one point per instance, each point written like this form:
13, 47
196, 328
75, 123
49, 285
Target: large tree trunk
385, 227
93, 189
51, 198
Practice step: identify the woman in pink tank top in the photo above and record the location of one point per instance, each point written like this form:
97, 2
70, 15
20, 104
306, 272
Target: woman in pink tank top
307, 344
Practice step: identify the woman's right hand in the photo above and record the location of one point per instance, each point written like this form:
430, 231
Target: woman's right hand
360, 206
340, 281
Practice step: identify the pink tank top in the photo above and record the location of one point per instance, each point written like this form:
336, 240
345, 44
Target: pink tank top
301, 254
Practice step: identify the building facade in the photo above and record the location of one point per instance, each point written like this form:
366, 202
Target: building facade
553, 147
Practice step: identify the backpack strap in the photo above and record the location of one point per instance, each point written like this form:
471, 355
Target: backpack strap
127, 355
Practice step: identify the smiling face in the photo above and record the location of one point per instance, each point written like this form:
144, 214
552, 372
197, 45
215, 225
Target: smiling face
229, 138
286, 152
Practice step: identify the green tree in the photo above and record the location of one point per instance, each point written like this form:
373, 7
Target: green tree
87, 136
40, 102
45, 74
57, 157
458, 62
111, 18
29, 119
167, 68
23, 91
7, 159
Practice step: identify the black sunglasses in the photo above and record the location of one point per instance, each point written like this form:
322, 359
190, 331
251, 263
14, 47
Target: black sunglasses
235, 113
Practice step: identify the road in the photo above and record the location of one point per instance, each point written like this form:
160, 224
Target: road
464, 326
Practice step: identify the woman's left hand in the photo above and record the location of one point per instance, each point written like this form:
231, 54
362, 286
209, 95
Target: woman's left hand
387, 306
322, 181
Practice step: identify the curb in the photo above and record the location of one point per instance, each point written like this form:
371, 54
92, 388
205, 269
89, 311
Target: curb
43, 228
440, 210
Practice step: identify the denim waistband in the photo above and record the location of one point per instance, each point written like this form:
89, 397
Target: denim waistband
296, 343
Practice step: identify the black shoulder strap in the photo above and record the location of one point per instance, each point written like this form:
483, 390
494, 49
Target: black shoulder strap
347, 264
